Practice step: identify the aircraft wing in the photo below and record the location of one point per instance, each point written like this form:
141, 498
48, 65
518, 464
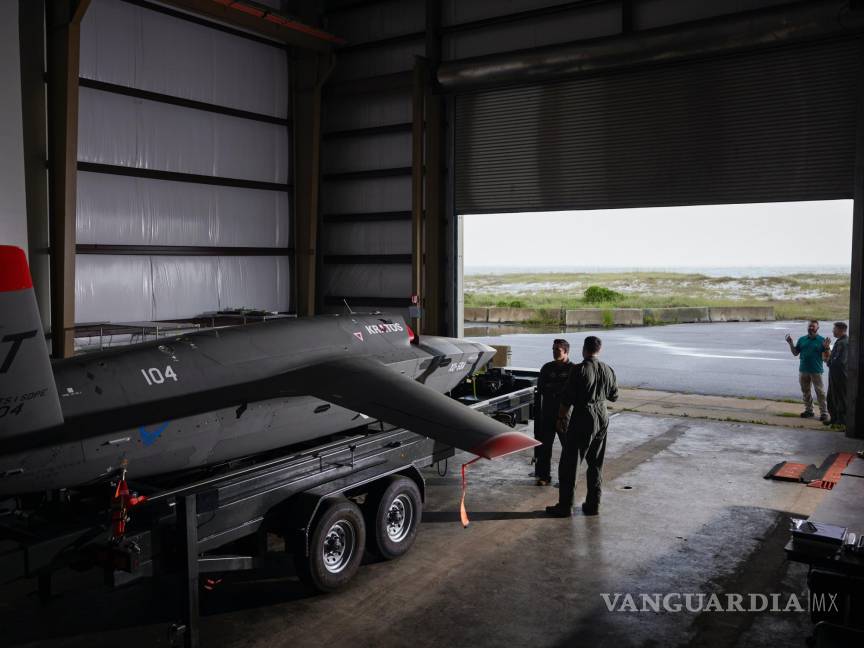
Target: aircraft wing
365, 385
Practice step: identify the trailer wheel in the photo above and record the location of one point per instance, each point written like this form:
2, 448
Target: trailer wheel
335, 547
394, 518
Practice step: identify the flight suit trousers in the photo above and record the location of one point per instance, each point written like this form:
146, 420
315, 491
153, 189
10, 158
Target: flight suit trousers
544, 432
837, 396
582, 445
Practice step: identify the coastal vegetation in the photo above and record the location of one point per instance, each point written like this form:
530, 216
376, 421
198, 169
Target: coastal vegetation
794, 296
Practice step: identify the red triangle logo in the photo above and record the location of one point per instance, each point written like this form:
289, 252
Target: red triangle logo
359, 335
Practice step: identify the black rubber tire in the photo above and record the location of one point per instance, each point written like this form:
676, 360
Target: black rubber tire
400, 496
313, 569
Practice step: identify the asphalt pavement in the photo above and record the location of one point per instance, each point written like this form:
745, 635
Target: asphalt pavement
743, 359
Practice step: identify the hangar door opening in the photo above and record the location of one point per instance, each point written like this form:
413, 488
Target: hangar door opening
764, 126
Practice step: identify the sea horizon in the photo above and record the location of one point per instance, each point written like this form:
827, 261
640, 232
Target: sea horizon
710, 271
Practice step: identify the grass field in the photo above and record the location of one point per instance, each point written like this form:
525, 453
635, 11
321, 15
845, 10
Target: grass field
798, 296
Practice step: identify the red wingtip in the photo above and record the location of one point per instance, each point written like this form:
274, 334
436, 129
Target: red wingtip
14, 273
504, 444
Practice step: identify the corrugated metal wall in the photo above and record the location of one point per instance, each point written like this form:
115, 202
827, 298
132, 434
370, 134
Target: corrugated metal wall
365, 235
765, 126
183, 167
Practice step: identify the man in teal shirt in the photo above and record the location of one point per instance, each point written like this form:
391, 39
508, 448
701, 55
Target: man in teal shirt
809, 349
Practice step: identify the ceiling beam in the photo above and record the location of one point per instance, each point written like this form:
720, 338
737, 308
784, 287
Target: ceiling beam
261, 20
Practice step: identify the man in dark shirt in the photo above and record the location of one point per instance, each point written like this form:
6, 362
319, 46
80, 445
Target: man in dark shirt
590, 385
547, 400
836, 361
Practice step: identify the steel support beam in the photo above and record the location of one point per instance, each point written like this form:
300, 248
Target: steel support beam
370, 131
180, 101
395, 82
261, 21
186, 507
174, 176
63, 23
434, 218
855, 394
31, 32
367, 217
421, 73
310, 73
799, 22
183, 250
434, 222
367, 259
369, 174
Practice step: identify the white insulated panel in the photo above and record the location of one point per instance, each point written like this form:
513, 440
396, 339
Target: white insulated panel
136, 47
121, 210
385, 151
184, 286
367, 110
385, 280
366, 196
259, 282
378, 21
113, 288
376, 61
376, 237
125, 131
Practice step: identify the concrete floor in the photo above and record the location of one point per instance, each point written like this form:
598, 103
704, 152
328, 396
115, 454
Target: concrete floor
685, 509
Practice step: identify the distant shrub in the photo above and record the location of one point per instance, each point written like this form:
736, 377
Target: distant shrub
608, 319
511, 304
599, 294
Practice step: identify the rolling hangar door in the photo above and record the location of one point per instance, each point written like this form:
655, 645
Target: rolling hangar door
766, 126
183, 195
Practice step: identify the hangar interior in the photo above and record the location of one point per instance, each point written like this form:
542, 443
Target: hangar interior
175, 131
169, 163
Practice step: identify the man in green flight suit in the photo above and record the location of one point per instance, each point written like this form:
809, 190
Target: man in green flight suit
553, 376
809, 349
590, 385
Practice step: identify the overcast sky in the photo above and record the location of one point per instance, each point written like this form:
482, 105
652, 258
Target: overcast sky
770, 234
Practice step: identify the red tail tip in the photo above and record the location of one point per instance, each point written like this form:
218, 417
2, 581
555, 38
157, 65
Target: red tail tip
504, 444
14, 272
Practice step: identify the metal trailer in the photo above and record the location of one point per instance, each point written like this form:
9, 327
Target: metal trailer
328, 503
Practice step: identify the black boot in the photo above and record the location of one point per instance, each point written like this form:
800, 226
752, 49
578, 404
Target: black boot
559, 511
590, 509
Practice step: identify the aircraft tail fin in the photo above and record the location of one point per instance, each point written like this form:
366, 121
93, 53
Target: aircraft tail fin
28, 393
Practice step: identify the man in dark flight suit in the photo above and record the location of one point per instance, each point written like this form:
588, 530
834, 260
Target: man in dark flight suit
590, 385
547, 400
837, 359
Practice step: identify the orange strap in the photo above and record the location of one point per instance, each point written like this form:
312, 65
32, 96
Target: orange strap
462, 512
